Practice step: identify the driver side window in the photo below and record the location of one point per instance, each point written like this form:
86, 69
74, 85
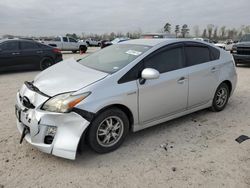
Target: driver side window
166, 60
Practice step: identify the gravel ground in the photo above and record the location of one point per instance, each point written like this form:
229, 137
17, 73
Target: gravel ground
198, 150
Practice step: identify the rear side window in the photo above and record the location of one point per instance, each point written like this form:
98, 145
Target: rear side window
197, 55
28, 45
9, 46
72, 40
215, 53
166, 60
65, 39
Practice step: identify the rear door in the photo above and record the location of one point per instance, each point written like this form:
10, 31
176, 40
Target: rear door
166, 95
31, 53
9, 54
203, 74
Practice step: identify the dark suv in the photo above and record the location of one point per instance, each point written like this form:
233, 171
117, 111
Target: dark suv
26, 54
241, 50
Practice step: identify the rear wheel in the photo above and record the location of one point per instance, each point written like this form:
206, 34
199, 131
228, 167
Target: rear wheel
83, 49
46, 63
220, 98
108, 130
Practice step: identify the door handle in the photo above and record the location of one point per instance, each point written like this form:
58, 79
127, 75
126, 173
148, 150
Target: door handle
15, 53
181, 80
214, 69
39, 52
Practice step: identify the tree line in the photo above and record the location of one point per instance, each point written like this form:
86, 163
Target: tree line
211, 31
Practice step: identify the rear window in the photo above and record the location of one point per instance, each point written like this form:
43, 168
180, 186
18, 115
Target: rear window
215, 53
197, 55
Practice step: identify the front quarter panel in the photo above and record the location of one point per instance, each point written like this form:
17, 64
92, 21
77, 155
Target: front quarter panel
108, 92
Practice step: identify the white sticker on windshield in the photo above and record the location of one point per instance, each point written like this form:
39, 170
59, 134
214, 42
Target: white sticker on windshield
133, 52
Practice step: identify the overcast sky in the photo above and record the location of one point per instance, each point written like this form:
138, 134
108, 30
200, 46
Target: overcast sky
54, 17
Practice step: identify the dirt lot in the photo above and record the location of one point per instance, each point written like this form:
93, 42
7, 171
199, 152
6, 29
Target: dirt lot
198, 150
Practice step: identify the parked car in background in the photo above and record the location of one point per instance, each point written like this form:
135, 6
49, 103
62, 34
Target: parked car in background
226, 45
27, 54
91, 42
204, 40
67, 44
106, 43
241, 50
126, 87
157, 35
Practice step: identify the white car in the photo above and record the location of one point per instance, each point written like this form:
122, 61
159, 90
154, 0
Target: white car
67, 44
125, 87
226, 45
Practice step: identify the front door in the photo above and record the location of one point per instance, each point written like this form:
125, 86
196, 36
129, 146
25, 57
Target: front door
166, 95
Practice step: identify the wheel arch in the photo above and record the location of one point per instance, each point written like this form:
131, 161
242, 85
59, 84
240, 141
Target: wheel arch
229, 84
122, 107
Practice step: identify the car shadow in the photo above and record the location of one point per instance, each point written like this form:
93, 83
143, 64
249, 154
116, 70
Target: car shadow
18, 71
87, 156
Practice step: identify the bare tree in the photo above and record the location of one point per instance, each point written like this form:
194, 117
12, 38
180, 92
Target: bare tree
204, 34
196, 31
210, 30
215, 36
223, 32
184, 30
167, 28
177, 30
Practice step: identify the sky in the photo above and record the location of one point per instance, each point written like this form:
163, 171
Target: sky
51, 17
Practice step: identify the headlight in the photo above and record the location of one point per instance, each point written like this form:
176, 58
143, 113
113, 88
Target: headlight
64, 102
234, 49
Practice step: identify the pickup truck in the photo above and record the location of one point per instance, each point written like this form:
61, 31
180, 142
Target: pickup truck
67, 44
241, 50
91, 42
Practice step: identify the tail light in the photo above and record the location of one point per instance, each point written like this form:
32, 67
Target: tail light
56, 50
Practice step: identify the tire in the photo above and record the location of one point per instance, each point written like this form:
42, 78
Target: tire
101, 137
83, 49
74, 51
221, 97
46, 63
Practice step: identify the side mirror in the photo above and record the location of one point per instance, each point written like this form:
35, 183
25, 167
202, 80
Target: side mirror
150, 74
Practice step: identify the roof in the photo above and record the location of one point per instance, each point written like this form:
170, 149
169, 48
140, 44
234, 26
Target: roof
150, 42
15, 39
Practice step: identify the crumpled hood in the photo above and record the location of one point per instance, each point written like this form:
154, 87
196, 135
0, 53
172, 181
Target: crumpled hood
66, 76
243, 44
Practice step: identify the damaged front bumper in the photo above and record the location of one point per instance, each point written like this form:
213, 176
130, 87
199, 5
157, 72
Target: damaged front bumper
53, 133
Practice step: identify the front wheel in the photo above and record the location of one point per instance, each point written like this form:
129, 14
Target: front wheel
108, 130
220, 98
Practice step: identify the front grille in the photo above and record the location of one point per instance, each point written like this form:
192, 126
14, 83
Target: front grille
243, 50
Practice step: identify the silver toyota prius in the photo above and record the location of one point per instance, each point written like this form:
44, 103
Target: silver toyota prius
125, 87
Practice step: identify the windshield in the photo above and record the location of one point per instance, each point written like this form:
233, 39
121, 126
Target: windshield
245, 38
113, 58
